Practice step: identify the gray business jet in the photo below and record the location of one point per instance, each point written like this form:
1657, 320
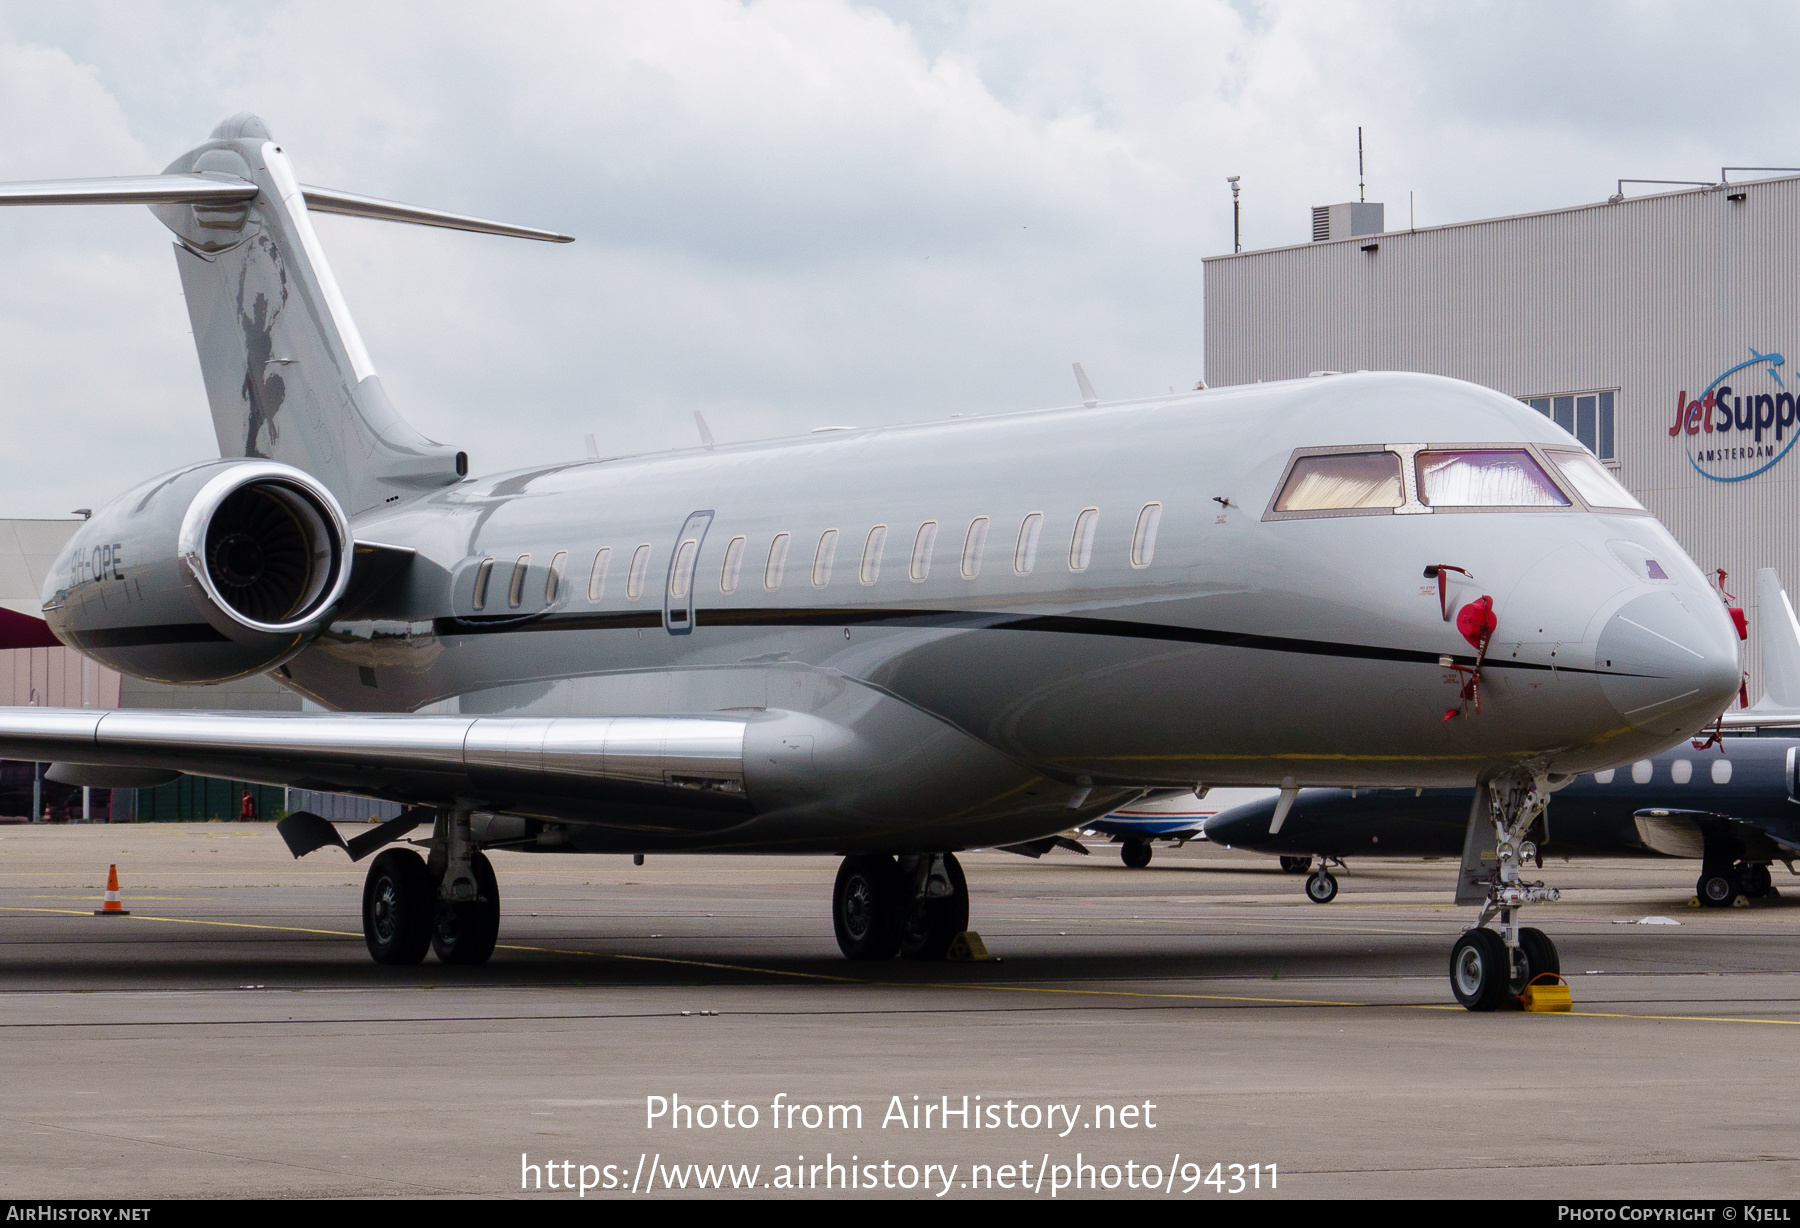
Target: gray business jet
889, 644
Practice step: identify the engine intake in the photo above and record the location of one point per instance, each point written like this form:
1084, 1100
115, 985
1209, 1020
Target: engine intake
213, 572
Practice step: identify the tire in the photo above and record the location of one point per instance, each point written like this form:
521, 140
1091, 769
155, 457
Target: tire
1321, 887
1480, 970
1135, 853
399, 905
465, 933
1540, 954
1295, 865
1758, 882
868, 907
934, 924
1716, 888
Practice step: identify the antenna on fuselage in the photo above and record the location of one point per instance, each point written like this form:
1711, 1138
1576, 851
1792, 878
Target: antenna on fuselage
592, 446
706, 438
1089, 397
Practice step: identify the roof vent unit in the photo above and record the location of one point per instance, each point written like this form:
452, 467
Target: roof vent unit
1347, 221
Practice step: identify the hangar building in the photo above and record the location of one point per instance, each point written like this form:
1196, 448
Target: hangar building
1654, 329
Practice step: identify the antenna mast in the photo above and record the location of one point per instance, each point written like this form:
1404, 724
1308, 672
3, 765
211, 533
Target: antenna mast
1361, 188
1236, 246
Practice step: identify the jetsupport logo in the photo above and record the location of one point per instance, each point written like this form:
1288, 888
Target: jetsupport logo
1734, 431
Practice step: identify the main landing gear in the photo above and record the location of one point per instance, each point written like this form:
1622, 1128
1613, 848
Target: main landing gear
1491, 968
914, 906
449, 904
1135, 853
1720, 885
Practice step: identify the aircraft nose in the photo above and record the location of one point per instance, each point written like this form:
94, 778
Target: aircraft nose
1668, 664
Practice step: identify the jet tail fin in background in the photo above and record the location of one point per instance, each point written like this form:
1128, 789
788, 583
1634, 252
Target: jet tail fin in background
1778, 638
287, 375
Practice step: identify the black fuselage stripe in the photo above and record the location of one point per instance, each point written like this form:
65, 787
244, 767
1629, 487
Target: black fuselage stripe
1066, 624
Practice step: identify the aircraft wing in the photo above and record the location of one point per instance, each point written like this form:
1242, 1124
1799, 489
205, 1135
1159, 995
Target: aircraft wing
1680, 833
548, 766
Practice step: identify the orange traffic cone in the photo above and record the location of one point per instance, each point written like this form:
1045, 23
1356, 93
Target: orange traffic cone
111, 908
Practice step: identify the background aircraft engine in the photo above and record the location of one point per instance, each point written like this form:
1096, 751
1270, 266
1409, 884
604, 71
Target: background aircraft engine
209, 573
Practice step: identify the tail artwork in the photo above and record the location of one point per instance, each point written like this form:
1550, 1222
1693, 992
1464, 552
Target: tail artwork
287, 375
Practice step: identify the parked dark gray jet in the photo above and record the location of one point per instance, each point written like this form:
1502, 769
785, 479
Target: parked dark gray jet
889, 644
1735, 807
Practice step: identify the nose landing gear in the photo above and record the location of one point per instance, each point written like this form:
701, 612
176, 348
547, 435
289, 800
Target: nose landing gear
1489, 968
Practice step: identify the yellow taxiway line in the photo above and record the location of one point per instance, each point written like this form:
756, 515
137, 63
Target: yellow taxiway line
855, 980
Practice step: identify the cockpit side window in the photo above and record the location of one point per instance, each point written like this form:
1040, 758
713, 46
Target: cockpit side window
1343, 481
1593, 483
1486, 477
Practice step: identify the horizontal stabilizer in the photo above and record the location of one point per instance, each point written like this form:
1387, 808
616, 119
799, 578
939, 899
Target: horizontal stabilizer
221, 189
329, 200
132, 190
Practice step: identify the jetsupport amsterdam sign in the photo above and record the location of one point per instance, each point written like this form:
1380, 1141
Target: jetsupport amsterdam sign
1741, 424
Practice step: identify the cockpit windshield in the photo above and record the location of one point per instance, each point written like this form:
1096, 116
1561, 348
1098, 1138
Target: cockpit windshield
1343, 481
1486, 477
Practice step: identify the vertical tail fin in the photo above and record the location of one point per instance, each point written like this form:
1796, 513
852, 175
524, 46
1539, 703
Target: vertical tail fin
1778, 636
287, 375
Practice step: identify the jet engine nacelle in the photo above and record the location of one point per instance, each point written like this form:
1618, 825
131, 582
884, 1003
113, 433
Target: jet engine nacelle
212, 572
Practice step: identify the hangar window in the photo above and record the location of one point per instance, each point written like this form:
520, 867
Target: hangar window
553, 578
1486, 477
1589, 416
1592, 482
871, 559
1343, 481
777, 562
1143, 538
597, 577
922, 547
974, 545
482, 575
734, 564
634, 579
1081, 543
515, 592
1025, 553
823, 557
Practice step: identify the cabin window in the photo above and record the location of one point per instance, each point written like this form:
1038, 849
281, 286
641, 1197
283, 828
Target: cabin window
1641, 771
681, 576
1486, 477
777, 562
1592, 482
974, 545
1025, 553
597, 577
923, 544
553, 578
871, 559
1681, 771
1081, 542
634, 579
515, 592
734, 563
823, 557
1604, 778
1143, 538
482, 575
1343, 481
1721, 771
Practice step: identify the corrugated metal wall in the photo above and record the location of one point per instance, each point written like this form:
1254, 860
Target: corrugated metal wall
1653, 297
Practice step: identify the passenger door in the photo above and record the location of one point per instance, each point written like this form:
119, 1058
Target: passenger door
678, 593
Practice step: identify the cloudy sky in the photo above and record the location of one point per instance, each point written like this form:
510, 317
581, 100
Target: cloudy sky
794, 213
